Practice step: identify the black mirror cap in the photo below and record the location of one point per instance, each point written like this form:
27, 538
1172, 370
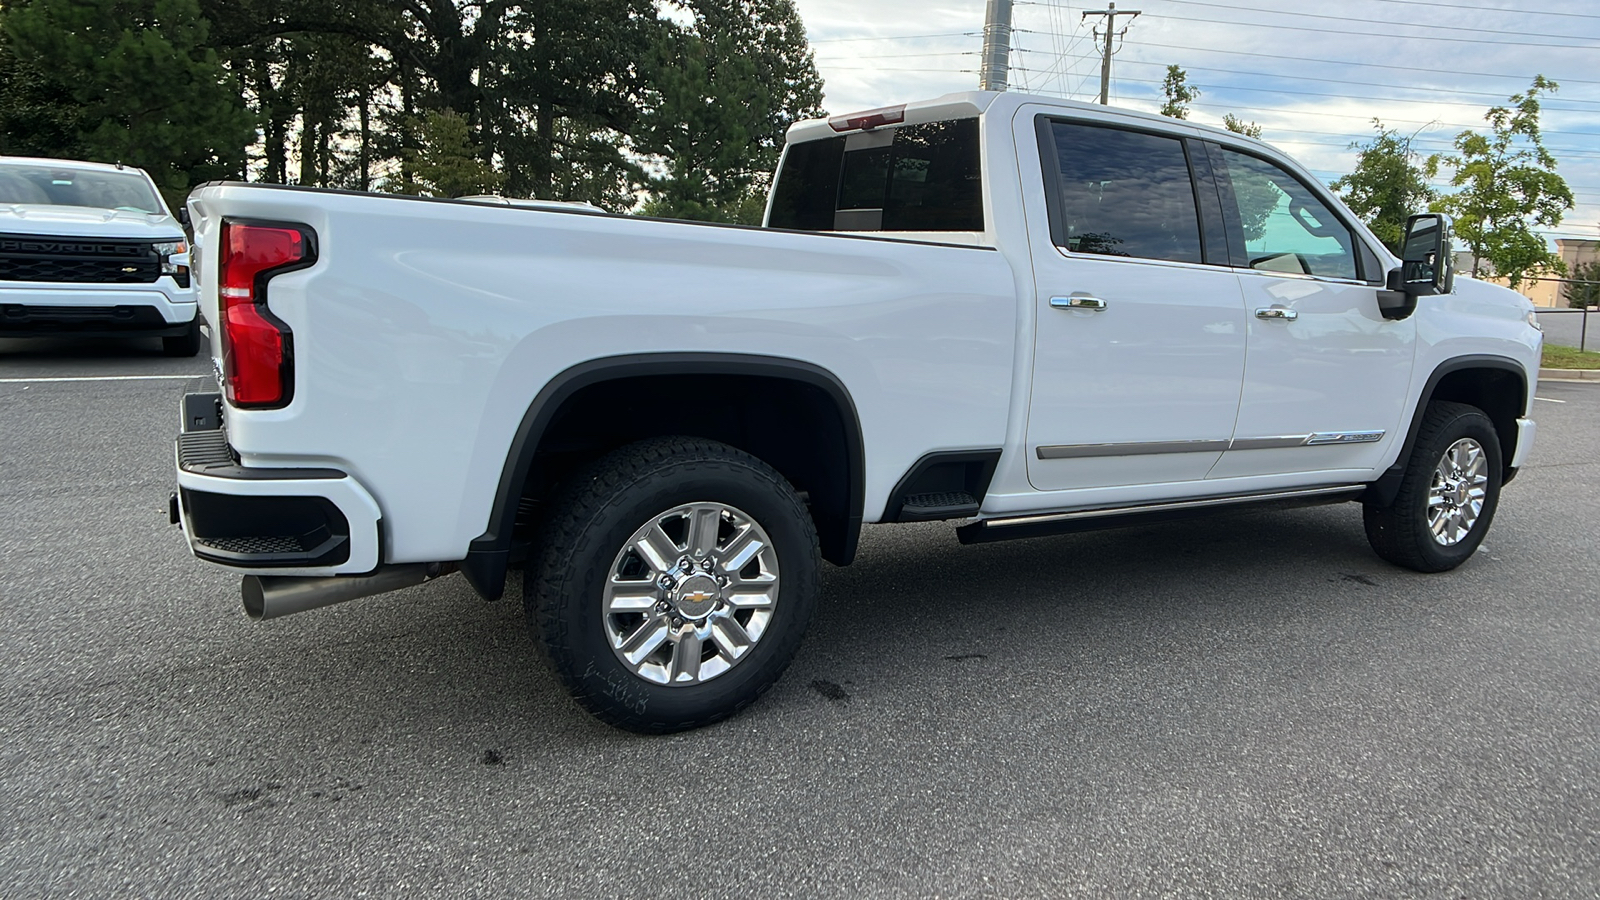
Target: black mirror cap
1395, 302
1429, 260
183, 216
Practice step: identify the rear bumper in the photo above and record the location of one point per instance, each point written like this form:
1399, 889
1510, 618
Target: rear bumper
38, 310
286, 521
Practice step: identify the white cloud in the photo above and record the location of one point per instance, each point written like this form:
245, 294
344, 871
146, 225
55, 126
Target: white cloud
1271, 75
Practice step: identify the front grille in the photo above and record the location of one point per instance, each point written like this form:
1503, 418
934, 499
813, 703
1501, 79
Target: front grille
16, 317
77, 260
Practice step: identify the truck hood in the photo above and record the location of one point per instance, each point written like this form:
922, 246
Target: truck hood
82, 221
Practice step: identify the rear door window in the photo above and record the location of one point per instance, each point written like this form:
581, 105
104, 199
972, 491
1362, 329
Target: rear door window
1122, 193
912, 178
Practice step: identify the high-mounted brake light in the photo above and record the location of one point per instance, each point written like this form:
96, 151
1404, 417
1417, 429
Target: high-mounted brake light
872, 118
257, 348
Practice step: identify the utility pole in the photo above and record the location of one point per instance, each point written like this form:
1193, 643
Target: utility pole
1111, 31
996, 46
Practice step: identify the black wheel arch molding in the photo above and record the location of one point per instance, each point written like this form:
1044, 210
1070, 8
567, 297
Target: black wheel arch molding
1382, 492
489, 556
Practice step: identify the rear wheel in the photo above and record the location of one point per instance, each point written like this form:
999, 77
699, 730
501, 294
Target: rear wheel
675, 581
1448, 495
186, 344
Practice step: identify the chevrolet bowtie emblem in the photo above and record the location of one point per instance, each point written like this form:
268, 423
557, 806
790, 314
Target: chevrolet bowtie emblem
130, 269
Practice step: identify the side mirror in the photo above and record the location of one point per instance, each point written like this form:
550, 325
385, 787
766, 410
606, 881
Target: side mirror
1429, 258
183, 216
1428, 266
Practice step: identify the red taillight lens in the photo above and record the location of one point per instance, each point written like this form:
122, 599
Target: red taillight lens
256, 348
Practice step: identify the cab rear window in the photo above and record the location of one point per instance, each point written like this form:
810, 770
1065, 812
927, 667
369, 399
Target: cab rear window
912, 178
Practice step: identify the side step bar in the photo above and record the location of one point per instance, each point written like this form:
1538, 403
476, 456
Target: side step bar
990, 530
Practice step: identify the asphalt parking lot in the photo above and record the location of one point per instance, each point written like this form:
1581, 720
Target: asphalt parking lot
1252, 706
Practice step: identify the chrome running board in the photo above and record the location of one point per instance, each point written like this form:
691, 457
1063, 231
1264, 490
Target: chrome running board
990, 530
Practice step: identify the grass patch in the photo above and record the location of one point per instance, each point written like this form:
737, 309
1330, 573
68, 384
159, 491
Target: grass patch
1570, 358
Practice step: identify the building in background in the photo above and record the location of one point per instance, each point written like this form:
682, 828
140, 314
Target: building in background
1574, 252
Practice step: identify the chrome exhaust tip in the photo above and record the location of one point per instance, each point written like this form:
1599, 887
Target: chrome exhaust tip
273, 597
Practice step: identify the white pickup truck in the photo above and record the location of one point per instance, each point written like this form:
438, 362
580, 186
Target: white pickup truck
1032, 315
91, 250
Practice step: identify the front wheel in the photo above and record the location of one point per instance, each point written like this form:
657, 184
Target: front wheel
674, 582
1448, 495
186, 344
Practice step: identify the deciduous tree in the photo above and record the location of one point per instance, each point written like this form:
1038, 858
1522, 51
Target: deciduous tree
1390, 182
1508, 187
1178, 92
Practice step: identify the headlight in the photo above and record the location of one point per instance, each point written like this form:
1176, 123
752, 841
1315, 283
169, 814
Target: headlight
171, 264
1533, 319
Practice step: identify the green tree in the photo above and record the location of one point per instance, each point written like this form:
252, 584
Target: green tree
448, 164
721, 97
1390, 182
1583, 296
38, 115
1508, 186
1178, 92
150, 91
1239, 126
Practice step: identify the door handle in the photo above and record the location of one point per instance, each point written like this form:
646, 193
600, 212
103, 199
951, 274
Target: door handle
1078, 301
1277, 312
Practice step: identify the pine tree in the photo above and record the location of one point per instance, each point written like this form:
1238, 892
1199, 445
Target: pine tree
722, 95
151, 92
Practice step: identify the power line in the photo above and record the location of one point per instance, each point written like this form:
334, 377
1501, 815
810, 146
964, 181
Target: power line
897, 37
1362, 116
1364, 21
1397, 87
1346, 62
1215, 88
1536, 12
1346, 33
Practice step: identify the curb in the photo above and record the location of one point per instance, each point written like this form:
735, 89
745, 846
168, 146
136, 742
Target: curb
1570, 375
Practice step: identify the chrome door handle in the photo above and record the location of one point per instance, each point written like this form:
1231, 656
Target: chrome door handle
1078, 301
1277, 312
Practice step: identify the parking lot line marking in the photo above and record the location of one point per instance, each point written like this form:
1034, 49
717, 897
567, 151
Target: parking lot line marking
1548, 400
98, 378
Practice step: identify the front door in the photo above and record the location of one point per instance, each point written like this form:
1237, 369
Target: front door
1326, 375
1140, 336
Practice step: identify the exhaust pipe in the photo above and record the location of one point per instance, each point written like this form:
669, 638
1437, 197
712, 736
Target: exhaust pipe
272, 597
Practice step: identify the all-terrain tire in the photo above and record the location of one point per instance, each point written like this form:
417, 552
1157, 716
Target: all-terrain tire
1401, 532
186, 344
592, 527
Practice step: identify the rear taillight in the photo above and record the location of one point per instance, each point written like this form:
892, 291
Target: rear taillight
257, 348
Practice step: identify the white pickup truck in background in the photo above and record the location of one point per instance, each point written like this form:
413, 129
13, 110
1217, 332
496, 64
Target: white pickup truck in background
1032, 315
91, 250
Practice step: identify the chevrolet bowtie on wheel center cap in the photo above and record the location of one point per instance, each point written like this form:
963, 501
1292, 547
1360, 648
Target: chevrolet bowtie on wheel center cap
691, 593
1460, 483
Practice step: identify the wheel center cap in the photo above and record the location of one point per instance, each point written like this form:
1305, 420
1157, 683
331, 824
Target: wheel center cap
697, 596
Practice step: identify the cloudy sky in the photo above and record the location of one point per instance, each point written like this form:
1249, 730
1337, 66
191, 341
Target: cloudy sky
1313, 74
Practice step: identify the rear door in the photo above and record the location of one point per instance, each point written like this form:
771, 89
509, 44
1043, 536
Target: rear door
1140, 334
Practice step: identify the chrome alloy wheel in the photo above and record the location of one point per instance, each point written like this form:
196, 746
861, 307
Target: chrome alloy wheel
690, 594
1460, 484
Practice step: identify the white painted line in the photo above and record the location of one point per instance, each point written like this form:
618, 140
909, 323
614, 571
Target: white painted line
1548, 400
99, 378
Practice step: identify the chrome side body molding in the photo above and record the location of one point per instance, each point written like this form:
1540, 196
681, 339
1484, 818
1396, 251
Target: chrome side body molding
1145, 448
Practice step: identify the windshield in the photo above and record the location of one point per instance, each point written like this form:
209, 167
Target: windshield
59, 186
